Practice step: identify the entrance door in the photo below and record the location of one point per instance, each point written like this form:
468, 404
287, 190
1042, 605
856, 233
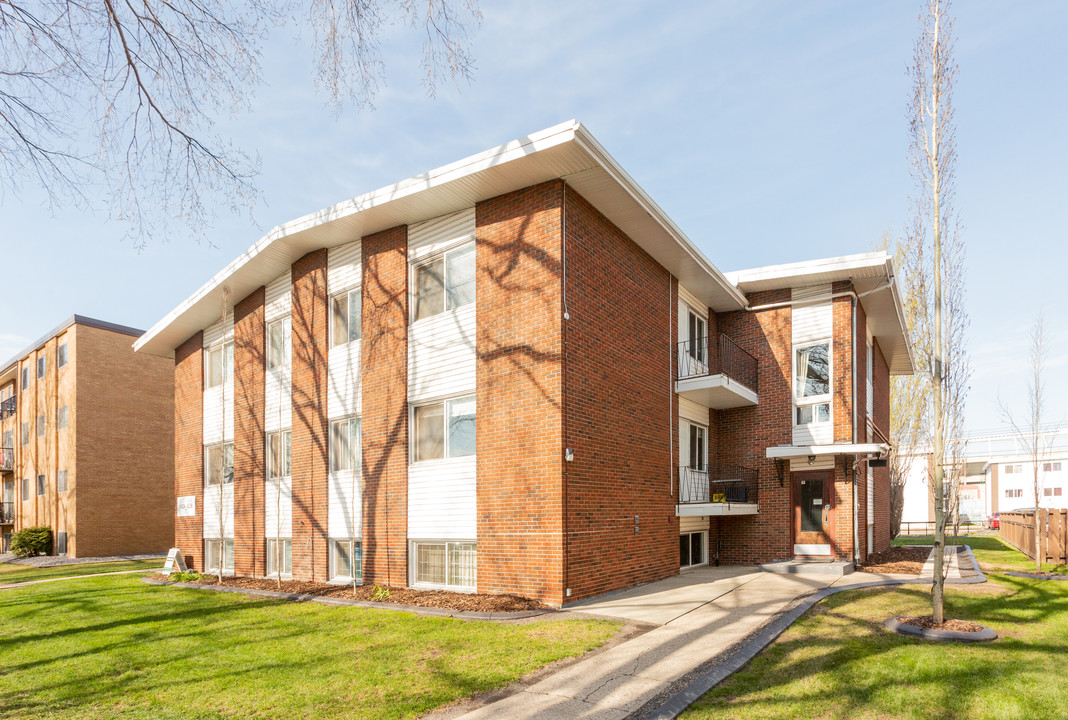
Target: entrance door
813, 512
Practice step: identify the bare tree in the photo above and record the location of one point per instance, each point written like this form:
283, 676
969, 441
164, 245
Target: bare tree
1036, 443
123, 96
938, 257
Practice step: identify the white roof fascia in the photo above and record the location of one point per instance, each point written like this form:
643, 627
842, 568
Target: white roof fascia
796, 451
244, 269
778, 276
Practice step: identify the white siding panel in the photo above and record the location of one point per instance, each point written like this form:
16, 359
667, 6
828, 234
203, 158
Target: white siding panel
278, 298
343, 386
278, 516
344, 510
433, 236
693, 524
343, 267
688, 298
211, 511
692, 411
218, 398
814, 434
822, 462
441, 355
441, 499
814, 321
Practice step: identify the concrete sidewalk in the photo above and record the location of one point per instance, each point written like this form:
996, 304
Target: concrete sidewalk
699, 615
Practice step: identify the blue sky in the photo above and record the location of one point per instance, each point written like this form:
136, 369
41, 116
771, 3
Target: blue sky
771, 131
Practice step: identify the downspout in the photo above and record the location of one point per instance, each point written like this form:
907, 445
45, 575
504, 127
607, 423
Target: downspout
853, 409
563, 384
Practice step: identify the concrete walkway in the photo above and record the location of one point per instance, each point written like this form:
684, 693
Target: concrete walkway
699, 616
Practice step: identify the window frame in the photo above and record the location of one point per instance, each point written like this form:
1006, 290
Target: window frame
42, 367
446, 297
207, 464
42, 485
286, 325
224, 544
225, 348
1051, 467
355, 445
813, 401
688, 534
349, 294
287, 557
413, 452
287, 450
24, 433
42, 425
61, 418
26, 489
61, 356
25, 378
355, 561
450, 545
61, 487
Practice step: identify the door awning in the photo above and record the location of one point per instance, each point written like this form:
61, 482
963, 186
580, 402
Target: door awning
799, 451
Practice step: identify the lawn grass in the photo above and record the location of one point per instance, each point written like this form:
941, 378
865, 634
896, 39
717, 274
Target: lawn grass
837, 661
13, 573
113, 647
991, 551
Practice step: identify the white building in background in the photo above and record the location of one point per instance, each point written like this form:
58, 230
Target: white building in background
999, 477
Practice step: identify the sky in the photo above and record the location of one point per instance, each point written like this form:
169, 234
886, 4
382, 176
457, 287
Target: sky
771, 131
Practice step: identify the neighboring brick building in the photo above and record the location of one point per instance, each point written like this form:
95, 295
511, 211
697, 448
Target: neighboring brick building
499, 376
87, 428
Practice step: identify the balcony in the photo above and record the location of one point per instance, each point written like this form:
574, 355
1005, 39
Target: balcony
7, 513
7, 460
7, 408
718, 490
716, 373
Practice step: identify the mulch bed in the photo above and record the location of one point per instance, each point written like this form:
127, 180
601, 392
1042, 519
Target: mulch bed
471, 602
927, 622
907, 560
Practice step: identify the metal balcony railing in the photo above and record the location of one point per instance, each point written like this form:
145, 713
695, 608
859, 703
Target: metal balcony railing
730, 484
7, 513
717, 355
7, 459
7, 408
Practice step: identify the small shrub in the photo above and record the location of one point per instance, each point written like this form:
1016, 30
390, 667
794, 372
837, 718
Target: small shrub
187, 576
380, 593
32, 541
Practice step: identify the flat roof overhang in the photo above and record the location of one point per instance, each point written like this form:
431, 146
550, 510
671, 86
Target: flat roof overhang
787, 452
566, 151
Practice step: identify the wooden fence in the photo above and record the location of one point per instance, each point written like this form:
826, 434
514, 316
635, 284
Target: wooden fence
1018, 530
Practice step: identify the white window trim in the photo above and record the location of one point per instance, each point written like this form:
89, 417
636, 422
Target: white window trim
228, 380
358, 290
287, 360
413, 565
207, 460
357, 460
222, 554
412, 439
438, 254
704, 548
336, 579
267, 452
814, 399
271, 556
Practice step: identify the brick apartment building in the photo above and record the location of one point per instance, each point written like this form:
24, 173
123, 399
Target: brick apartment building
516, 374
87, 428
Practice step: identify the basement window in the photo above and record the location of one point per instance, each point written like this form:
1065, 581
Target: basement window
279, 554
445, 564
216, 550
346, 560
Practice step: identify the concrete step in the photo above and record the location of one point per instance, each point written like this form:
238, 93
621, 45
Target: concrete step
809, 567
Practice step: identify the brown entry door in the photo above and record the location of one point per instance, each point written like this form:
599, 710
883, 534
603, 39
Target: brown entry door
813, 512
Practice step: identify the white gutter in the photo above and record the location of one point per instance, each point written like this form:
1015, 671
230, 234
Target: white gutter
800, 451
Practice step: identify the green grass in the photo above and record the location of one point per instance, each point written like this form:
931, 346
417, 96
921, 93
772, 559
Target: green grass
838, 662
991, 551
13, 573
113, 647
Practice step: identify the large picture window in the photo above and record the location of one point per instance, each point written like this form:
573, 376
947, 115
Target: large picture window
444, 429
219, 464
279, 343
344, 444
220, 364
347, 316
812, 383
444, 283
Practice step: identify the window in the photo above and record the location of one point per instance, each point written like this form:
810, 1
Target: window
697, 346
279, 343
445, 283
40, 425
812, 384
212, 548
61, 355
698, 447
220, 464
42, 365
345, 444
25, 489
24, 433
346, 317
445, 429
279, 554
278, 454
870, 372
9, 440
448, 564
346, 558
220, 364
61, 542
25, 377
1051, 467
40, 484
1051, 492
61, 481
691, 549
1013, 469
61, 418
1014, 493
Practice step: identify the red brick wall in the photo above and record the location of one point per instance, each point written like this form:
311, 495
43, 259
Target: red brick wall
620, 408
743, 434
189, 446
519, 345
384, 416
309, 432
842, 414
249, 438
881, 416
